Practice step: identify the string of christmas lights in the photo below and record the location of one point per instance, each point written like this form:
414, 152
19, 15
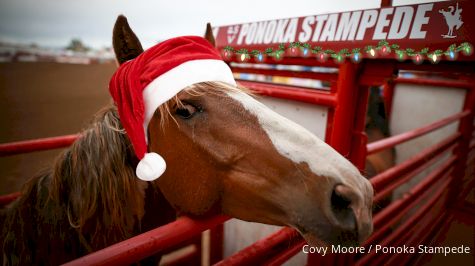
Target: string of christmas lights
383, 48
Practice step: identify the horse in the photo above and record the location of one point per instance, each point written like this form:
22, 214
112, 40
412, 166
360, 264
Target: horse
377, 128
226, 154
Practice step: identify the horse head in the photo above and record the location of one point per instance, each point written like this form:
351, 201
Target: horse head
228, 153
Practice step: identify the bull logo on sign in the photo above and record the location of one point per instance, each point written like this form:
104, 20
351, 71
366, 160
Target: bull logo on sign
453, 20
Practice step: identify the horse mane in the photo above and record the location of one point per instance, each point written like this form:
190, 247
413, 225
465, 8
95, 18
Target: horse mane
96, 178
89, 199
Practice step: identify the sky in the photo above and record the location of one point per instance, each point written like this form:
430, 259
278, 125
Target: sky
55, 22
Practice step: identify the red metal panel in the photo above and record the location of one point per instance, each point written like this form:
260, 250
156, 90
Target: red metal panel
390, 175
291, 93
452, 68
422, 220
433, 197
401, 180
397, 209
36, 145
287, 73
298, 61
149, 243
397, 139
377, 72
429, 228
403, 231
436, 82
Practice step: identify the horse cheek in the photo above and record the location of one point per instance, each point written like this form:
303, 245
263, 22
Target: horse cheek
189, 182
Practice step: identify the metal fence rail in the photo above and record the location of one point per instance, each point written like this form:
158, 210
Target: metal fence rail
43, 144
149, 243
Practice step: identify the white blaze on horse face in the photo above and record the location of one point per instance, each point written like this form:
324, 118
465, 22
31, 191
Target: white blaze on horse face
300, 145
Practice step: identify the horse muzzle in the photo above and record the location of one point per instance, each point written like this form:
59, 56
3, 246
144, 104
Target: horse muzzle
345, 219
352, 218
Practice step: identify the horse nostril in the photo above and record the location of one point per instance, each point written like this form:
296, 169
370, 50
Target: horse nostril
341, 201
338, 200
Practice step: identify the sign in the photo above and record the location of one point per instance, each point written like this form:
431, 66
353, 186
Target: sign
433, 25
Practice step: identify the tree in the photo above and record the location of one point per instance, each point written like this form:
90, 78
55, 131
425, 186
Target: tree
76, 45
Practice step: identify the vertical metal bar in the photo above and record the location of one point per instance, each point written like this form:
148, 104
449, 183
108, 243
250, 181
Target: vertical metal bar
330, 115
343, 119
197, 258
360, 139
388, 95
216, 244
328, 130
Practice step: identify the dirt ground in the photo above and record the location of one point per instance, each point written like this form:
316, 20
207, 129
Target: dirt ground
44, 100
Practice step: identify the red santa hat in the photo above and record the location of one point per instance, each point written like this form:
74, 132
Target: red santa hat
141, 85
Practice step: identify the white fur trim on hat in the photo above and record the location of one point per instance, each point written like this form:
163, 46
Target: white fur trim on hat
151, 167
170, 83
163, 88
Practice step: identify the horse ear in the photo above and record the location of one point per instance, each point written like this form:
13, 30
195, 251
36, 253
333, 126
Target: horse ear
209, 34
126, 44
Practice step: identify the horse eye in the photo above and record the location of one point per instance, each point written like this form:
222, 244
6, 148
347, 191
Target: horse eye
186, 111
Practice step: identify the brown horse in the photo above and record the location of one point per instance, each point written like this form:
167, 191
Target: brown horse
377, 128
225, 152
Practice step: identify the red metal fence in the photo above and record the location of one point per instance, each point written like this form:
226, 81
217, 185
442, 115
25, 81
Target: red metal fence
347, 102
416, 218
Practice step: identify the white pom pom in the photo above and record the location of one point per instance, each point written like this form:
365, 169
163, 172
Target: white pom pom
151, 167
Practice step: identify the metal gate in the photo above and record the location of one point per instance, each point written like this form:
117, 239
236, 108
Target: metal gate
419, 217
